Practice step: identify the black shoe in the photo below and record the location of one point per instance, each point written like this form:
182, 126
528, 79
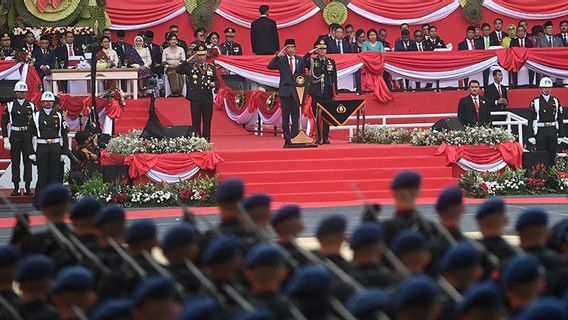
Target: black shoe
15, 193
325, 141
28, 193
287, 144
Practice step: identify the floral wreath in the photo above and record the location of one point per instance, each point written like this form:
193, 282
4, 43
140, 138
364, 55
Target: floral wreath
38, 31
240, 100
271, 101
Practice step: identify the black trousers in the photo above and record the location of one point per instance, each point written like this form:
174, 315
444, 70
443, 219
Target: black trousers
48, 157
486, 73
202, 112
322, 127
290, 107
21, 143
547, 140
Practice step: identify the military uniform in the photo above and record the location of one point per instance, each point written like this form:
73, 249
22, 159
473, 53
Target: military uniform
201, 79
323, 74
50, 130
15, 121
6, 50
547, 124
230, 48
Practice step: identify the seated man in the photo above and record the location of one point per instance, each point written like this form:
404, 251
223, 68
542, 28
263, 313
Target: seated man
472, 109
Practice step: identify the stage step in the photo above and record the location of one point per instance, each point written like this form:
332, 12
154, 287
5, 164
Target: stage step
342, 196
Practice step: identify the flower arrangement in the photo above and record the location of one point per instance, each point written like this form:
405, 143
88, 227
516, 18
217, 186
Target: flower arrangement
115, 94
240, 100
38, 31
132, 143
24, 56
195, 192
428, 137
271, 101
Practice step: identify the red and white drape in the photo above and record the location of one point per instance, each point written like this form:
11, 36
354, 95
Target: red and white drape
528, 9
395, 12
12, 70
482, 158
140, 14
286, 13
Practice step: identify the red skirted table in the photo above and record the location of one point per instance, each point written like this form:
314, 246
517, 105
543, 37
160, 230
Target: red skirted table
482, 157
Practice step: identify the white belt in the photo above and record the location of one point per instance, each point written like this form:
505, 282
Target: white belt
24, 128
48, 141
546, 124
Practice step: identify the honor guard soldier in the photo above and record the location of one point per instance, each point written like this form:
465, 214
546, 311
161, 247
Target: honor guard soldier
179, 245
310, 290
201, 80
545, 308
230, 47
50, 131
522, 281
368, 304
34, 276
547, 120
17, 137
112, 309
154, 299
483, 301
416, 298
323, 73
258, 208
491, 220
330, 234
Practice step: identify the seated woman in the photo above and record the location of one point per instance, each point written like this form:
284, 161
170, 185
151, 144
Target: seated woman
141, 59
172, 56
213, 49
372, 44
512, 34
107, 58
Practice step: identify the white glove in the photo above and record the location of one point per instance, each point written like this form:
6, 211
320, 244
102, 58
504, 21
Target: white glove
560, 140
63, 157
532, 140
7, 144
32, 157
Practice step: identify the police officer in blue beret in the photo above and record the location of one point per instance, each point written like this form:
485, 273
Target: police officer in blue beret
411, 249
113, 309
287, 224
310, 288
416, 298
9, 257
330, 234
258, 207
257, 314
405, 188
141, 238
201, 309
110, 222
369, 303
492, 219
74, 288
545, 308
483, 301
522, 281
154, 298
533, 231
178, 246
35, 275
83, 220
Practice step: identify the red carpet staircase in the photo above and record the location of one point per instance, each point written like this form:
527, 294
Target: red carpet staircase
329, 173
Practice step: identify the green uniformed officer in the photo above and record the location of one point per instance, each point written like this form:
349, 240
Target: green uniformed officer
50, 132
15, 120
547, 120
201, 80
323, 73
230, 47
6, 49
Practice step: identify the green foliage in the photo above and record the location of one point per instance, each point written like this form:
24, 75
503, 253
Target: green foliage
472, 11
29, 19
203, 14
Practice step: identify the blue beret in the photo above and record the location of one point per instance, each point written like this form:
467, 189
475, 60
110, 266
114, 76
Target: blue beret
200, 309
141, 230
368, 301
521, 269
221, 249
86, 207
108, 215
179, 236
231, 190
311, 279
257, 200
112, 310
459, 257
54, 194
544, 309
287, 212
408, 241
264, 254
531, 217
406, 180
414, 290
35, 267
450, 197
258, 314
9, 255
489, 207
484, 295
367, 233
74, 278
331, 225
154, 287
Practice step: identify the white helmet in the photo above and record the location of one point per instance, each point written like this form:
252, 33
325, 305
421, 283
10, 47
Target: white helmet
21, 87
545, 82
48, 96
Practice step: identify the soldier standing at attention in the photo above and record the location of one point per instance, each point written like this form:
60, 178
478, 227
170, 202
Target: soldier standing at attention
201, 81
15, 120
50, 130
323, 73
230, 47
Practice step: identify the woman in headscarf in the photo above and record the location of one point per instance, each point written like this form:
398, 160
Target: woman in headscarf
512, 34
172, 56
145, 62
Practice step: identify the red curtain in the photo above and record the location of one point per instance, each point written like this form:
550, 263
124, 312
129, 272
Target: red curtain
372, 79
402, 9
170, 163
282, 11
513, 59
135, 12
510, 152
534, 6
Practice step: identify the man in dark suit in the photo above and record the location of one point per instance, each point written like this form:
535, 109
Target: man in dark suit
496, 37
522, 41
288, 65
472, 109
419, 45
339, 45
496, 95
470, 43
330, 36
404, 44
563, 35
123, 48
199, 35
434, 42
62, 53
29, 43
548, 40
155, 52
44, 57
264, 34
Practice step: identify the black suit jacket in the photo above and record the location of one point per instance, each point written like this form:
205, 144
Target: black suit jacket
414, 46
516, 43
122, 52
41, 59
62, 55
24, 47
494, 40
264, 36
477, 43
561, 37
492, 95
286, 77
399, 46
156, 54
430, 45
333, 48
467, 114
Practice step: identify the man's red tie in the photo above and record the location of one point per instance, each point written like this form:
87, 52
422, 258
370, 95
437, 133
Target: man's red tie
70, 47
472, 45
30, 47
291, 62
499, 89
476, 103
